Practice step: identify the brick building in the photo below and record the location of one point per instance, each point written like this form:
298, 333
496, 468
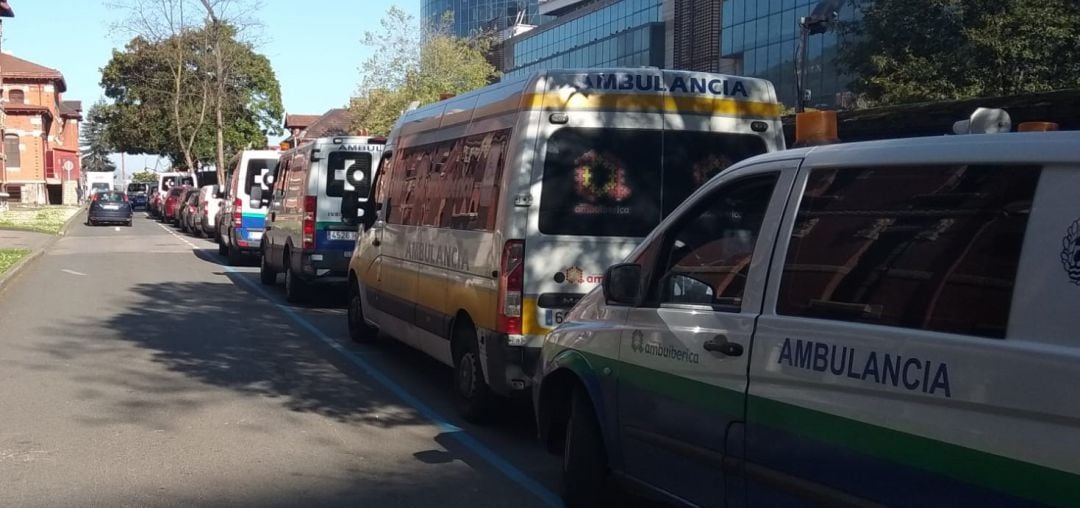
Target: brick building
41, 134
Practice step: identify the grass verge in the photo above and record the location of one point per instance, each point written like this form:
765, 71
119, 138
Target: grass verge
47, 220
8, 258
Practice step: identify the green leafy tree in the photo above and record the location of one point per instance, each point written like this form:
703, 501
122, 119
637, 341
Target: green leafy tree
165, 108
903, 51
413, 65
95, 147
145, 176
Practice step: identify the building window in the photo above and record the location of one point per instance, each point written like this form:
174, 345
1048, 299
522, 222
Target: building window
932, 248
11, 151
17, 97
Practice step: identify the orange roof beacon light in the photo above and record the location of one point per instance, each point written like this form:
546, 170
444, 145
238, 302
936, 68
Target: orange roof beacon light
285, 145
815, 128
1036, 127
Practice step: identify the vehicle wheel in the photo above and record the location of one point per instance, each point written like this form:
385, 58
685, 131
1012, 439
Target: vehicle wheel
222, 249
474, 396
295, 289
267, 275
128, 223
233, 256
359, 330
584, 468
91, 223
197, 231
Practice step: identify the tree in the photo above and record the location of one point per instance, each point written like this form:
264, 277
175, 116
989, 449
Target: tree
95, 147
904, 51
413, 65
145, 176
181, 76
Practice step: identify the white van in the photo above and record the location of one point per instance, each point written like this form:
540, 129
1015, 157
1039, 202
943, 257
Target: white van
500, 208
169, 180
305, 236
240, 225
889, 323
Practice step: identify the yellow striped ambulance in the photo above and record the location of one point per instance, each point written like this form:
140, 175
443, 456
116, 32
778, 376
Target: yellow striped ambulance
495, 211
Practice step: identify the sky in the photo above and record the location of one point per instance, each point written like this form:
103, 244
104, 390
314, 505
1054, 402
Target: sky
313, 45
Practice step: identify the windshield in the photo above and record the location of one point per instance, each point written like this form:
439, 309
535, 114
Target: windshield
111, 197
622, 182
100, 186
136, 187
340, 164
259, 172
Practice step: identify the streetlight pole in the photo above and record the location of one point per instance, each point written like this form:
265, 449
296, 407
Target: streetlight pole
5, 12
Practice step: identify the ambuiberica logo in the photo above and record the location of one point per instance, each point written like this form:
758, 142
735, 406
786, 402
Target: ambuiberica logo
639, 345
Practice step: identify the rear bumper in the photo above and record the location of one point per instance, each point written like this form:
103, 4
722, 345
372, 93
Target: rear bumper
510, 369
241, 238
325, 266
109, 215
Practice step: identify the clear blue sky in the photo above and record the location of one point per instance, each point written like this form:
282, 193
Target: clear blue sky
314, 46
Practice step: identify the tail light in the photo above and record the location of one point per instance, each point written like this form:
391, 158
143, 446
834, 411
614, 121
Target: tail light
511, 285
310, 205
237, 213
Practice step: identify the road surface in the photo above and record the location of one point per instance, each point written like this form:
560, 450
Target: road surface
139, 370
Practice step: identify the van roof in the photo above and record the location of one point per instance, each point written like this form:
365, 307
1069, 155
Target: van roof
1002, 148
643, 89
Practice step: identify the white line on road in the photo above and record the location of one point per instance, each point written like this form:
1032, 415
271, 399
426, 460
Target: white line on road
182, 239
73, 272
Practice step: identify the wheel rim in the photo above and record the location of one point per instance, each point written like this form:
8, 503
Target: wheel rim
466, 377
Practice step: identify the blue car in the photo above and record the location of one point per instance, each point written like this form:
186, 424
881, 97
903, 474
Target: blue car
110, 207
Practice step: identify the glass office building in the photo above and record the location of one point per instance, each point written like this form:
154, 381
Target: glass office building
761, 36
471, 16
613, 33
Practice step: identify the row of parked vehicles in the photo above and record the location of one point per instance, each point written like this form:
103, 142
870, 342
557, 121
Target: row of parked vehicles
694, 310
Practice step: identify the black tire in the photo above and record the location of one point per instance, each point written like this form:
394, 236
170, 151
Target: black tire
585, 470
234, 256
222, 249
267, 275
474, 397
359, 330
128, 223
295, 287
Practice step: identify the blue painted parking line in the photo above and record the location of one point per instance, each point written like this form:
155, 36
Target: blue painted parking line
487, 454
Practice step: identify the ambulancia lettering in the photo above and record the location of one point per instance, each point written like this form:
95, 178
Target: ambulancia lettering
653, 83
361, 148
909, 373
441, 255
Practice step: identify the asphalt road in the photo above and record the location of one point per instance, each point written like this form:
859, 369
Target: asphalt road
137, 369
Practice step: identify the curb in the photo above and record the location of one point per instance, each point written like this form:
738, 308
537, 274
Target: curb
17, 268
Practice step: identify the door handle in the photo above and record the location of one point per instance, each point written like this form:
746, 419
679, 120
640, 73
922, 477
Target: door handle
720, 344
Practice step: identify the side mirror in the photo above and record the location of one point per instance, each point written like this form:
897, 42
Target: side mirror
350, 207
256, 200
622, 283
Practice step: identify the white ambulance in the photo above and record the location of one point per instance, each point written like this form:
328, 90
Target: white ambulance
890, 323
500, 208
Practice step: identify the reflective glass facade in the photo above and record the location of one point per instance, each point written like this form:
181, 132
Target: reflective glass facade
623, 33
763, 36
470, 16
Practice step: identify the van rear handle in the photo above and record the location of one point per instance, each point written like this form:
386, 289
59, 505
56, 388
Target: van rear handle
720, 344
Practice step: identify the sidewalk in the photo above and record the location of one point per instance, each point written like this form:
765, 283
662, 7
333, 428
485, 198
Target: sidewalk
13, 239
50, 223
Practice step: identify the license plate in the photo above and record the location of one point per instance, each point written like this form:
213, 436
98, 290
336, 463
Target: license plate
255, 235
341, 235
554, 317
111, 207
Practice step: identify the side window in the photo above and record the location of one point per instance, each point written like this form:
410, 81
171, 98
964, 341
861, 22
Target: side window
383, 178
932, 248
705, 258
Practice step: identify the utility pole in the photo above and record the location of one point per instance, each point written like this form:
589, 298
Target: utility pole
5, 12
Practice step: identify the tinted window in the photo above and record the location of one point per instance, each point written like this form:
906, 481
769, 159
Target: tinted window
259, 172
111, 197
707, 256
340, 164
136, 187
933, 248
601, 182
621, 182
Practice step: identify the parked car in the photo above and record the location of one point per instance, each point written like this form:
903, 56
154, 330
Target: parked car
817, 324
170, 208
186, 213
152, 197
136, 192
305, 235
109, 207
240, 224
207, 211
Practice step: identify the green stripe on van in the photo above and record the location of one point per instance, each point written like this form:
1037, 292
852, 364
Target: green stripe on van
993, 472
